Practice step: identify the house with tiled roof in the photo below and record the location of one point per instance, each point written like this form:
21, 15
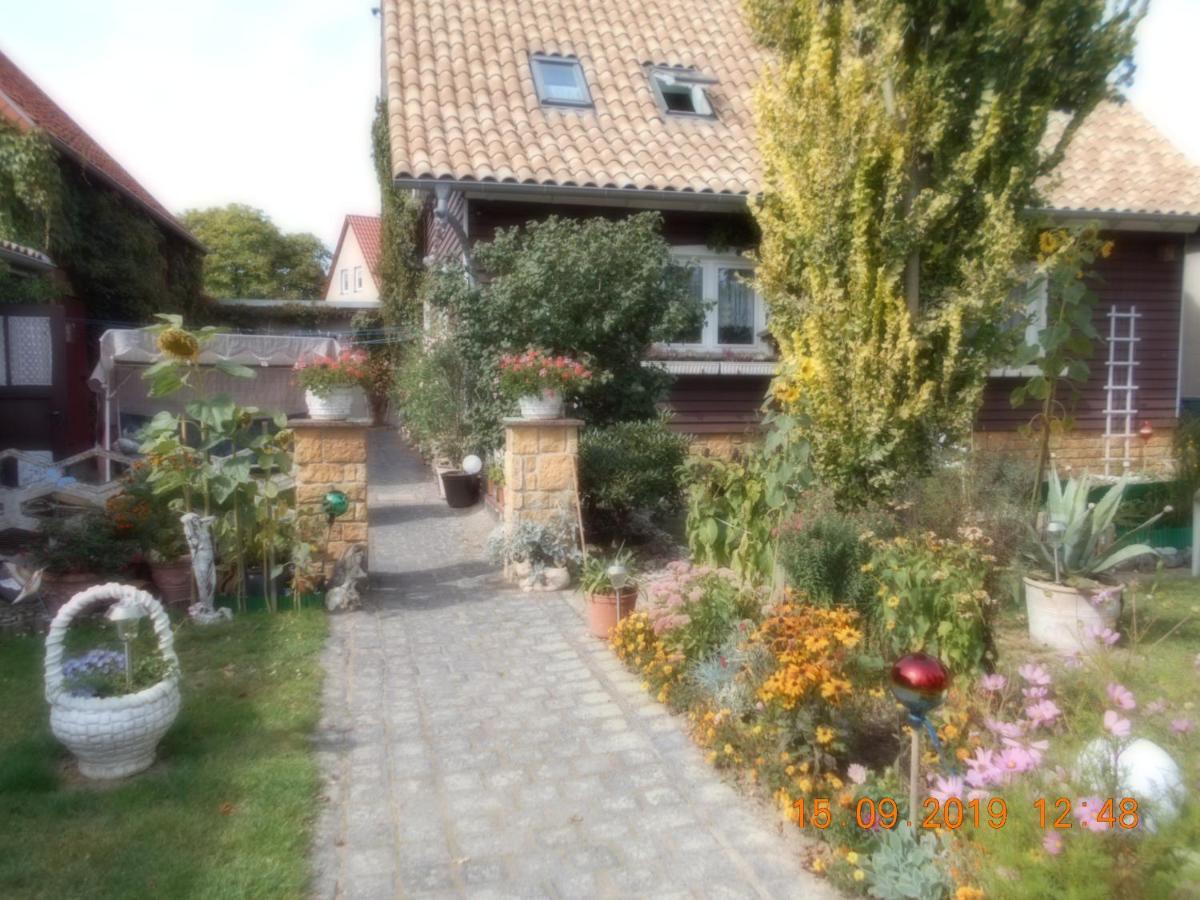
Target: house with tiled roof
114, 253
354, 272
504, 113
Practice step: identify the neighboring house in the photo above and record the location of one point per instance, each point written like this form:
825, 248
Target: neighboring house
576, 108
354, 273
47, 349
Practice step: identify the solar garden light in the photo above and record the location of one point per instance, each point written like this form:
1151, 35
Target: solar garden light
1056, 530
618, 577
127, 617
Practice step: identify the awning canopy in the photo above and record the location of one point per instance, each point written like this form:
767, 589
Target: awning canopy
126, 352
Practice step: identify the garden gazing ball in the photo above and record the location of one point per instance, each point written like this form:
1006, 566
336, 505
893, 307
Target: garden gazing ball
1142, 770
335, 504
919, 682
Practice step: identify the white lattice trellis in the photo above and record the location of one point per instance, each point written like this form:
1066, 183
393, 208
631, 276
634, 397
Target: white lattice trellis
1120, 389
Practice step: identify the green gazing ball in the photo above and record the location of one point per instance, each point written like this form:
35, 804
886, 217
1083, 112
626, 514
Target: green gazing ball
335, 504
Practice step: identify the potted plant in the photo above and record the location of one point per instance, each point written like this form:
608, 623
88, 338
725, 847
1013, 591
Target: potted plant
539, 381
330, 383
610, 589
110, 708
79, 552
1067, 596
540, 555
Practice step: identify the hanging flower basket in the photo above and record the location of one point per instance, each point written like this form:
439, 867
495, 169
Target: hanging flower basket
111, 737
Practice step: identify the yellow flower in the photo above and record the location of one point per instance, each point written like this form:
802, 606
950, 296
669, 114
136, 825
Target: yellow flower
893, 601
818, 864
805, 785
878, 693
891, 626
729, 749
852, 857
1106, 249
711, 756
859, 874
866, 567
966, 892
825, 734
178, 344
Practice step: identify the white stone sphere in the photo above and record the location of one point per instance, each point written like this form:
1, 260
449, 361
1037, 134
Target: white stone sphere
472, 465
1143, 770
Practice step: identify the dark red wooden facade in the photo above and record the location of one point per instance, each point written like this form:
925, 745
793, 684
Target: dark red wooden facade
1145, 270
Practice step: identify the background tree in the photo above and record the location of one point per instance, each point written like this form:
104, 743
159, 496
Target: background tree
902, 143
249, 257
594, 289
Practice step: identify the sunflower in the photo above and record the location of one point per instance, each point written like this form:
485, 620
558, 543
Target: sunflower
178, 344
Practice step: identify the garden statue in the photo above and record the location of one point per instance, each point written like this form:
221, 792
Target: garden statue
198, 532
349, 575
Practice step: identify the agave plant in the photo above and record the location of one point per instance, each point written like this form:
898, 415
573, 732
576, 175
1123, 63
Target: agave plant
1082, 531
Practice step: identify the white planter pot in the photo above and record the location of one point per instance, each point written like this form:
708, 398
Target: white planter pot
111, 737
556, 579
1061, 616
549, 405
336, 406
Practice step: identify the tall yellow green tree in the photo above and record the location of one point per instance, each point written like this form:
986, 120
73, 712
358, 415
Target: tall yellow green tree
903, 143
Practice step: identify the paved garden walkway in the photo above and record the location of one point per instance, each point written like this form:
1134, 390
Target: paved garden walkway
476, 742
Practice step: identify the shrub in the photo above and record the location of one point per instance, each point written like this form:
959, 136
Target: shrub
824, 559
695, 609
88, 542
932, 598
629, 468
729, 518
432, 388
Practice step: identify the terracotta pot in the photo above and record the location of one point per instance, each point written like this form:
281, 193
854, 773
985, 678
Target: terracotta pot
602, 610
1061, 616
173, 580
58, 589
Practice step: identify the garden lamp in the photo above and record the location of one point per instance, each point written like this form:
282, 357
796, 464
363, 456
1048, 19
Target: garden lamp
1055, 532
472, 465
618, 577
127, 617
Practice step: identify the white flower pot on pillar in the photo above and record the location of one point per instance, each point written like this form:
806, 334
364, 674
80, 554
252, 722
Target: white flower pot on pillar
1061, 616
112, 737
335, 406
547, 405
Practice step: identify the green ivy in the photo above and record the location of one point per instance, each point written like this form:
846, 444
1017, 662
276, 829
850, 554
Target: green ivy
400, 267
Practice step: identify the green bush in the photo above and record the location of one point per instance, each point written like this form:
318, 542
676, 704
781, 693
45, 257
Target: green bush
629, 468
824, 561
730, 520
431, 388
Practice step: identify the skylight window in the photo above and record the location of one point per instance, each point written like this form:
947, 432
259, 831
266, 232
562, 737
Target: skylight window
560, 81
682, 91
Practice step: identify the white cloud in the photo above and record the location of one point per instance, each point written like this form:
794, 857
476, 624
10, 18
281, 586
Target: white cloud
1164, 86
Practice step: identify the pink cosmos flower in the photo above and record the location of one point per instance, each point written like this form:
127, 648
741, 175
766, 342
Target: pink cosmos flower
857, 773
1182, 726
1086, 810
1114, 723
946, 787
1053, 843
1105, 636
1044, 712
1037, 676
1005, 729
1035, 750
1121, 697
1034, 693
1157, 706
993, 684
1071, 660
1014, 760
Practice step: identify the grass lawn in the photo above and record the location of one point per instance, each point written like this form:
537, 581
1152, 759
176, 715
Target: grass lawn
228, 809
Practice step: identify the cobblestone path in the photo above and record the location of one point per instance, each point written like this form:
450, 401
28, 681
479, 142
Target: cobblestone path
476, 742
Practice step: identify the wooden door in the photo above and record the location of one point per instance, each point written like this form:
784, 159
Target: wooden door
33, 379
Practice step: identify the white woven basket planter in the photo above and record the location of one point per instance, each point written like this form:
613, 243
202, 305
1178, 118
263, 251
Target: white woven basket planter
112, 737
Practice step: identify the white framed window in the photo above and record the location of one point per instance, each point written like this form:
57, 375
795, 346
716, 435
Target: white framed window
358, 279
681, 91
559, 81
1031, 322
345, 274
736, 316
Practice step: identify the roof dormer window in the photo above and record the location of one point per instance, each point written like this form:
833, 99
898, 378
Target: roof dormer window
682, 91
559, 81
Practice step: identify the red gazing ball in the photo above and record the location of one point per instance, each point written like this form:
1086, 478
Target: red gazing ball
921, 673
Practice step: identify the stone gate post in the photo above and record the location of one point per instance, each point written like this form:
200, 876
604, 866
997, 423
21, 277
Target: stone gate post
540, 456
332, 456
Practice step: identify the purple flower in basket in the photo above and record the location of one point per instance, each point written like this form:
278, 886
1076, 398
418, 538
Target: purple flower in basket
83, 674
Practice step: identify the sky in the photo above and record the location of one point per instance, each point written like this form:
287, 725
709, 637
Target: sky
269, 102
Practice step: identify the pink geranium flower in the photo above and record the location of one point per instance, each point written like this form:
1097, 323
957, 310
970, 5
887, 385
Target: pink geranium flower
1052, 843
1044, 712
993, 684
1182, 726
1121, 697
1035, 675
1114, 723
